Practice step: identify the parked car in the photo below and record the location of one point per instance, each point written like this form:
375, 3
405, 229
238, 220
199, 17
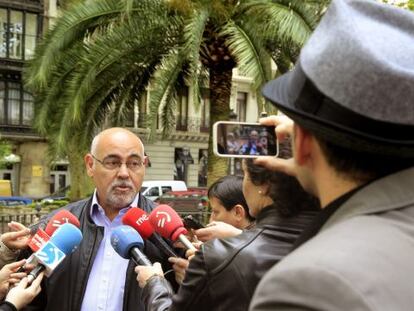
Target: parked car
155, 188
192, 201
15, 201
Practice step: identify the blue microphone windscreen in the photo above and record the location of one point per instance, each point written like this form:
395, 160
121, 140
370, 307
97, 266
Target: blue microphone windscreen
67, 237
123, 238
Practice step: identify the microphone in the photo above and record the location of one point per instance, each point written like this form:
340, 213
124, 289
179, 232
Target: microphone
60, 218
42, 236
128, 243
139, 220
168, 223
63, 242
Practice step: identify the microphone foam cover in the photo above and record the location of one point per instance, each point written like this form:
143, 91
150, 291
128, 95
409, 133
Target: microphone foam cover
67, 237
166, 222
139, 220
61, 217
123, 238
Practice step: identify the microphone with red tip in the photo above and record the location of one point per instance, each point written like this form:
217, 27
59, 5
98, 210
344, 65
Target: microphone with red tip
168, 223
63, 242
139, 220
128, 243
42, 236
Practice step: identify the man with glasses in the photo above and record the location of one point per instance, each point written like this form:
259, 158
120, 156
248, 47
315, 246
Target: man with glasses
95, 277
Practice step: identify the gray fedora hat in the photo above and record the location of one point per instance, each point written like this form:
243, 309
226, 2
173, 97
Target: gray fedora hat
354, 81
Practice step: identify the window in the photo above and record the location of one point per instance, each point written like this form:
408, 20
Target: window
166, 189
241, 106
16, 105
205, 110
18, 33
182, 109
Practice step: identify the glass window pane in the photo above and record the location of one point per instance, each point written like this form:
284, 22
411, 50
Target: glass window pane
16, 34
31, 34
3, 29
28, 108
13, 114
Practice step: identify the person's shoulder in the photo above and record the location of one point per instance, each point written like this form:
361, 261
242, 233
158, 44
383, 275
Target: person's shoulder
220, 252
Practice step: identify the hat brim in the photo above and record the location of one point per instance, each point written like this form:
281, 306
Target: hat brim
281, 94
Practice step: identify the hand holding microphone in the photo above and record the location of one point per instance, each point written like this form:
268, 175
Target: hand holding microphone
168, 223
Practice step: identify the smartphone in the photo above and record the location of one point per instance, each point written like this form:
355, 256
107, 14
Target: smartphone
191, 223
244, 140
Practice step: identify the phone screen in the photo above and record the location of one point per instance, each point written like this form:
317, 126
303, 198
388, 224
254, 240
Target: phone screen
235, 139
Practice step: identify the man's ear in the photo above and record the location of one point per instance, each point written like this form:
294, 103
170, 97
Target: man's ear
302, 144
89, 164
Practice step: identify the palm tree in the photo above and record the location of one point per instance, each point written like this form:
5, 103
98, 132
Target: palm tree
101, 55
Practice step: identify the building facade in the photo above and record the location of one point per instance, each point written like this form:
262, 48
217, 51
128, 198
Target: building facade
183, 156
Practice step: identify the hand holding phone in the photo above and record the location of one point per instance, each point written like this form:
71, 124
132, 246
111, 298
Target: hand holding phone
244, 140
191, 223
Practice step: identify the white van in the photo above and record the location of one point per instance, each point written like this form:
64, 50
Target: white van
154, 188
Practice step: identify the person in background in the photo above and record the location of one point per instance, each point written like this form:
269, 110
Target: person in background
350, 97
229, 217
233, 145
224, 272
228, 206
95, 277
252, 147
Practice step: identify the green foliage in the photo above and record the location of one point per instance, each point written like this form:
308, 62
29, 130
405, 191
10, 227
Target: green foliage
5, 148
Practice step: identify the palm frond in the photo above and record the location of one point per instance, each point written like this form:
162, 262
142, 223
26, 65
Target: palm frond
249, 52
163, 83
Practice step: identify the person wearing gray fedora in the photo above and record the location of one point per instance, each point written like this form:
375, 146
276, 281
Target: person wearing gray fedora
349, 103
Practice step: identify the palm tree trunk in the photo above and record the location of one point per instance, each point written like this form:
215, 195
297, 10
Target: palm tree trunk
80, 184
220, 91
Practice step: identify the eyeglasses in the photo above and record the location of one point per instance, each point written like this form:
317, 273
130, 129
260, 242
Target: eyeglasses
113, 163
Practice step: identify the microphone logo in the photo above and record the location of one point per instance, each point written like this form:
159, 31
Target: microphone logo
58, 223
50, 255
164, 217
142, 219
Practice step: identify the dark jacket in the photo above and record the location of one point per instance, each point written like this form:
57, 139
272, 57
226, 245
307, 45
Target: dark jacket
7, 306
225, 272
64, 289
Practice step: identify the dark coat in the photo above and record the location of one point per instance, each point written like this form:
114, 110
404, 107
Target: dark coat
64, 289
224, 273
